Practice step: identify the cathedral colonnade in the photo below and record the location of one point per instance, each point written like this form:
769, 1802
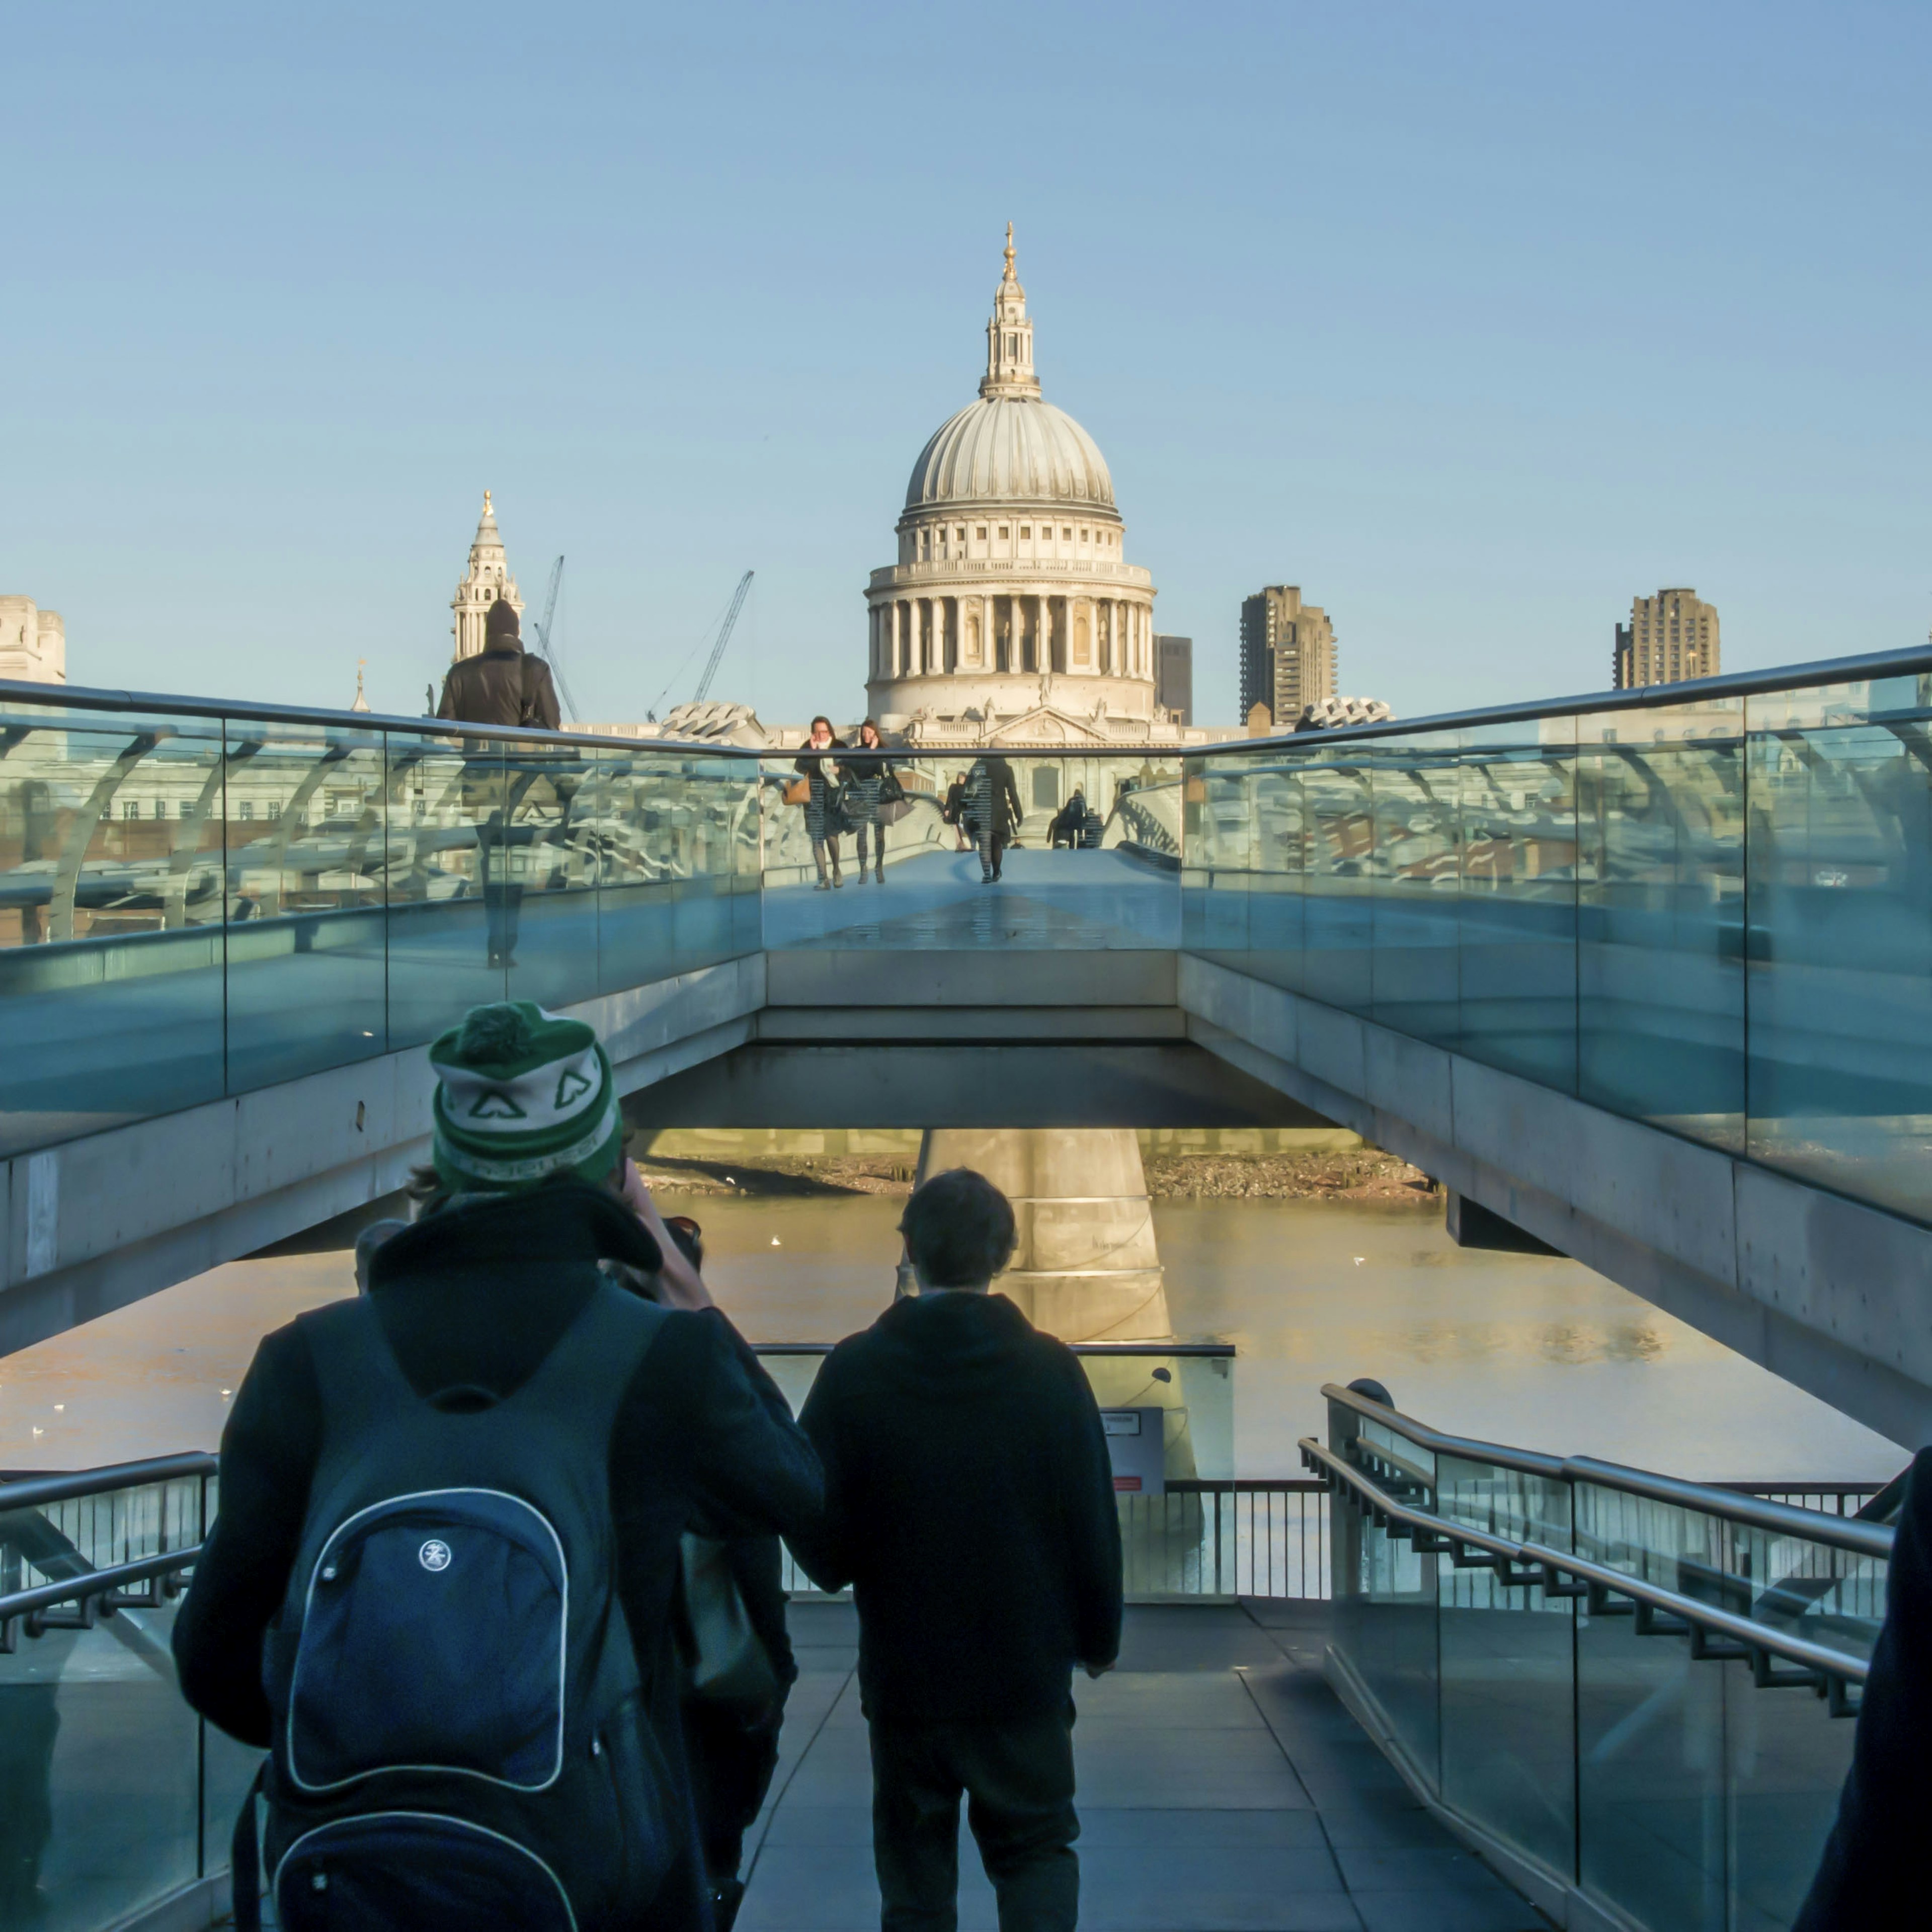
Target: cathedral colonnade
1018, 632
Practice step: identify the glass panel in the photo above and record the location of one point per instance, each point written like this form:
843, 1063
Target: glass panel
679, 844
1650, 1776
1338, 933
1660, 993
1417, 828
451, 907
1089, 852
1386, 1602
1518, 901
546, 901
1786, 1757
100, 1783
1507, 1664
307, 812
110, 921
1841, 993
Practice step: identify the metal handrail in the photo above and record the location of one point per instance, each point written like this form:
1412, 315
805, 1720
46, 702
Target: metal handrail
31, 1491
1221, 1351
96, 1582
1864, 1539
1861, 668
1548, 1563
1527, 1462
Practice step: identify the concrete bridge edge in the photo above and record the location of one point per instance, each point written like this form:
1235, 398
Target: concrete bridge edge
1824, 1292
95, 1223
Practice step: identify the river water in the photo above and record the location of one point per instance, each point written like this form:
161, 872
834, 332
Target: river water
1531, 1350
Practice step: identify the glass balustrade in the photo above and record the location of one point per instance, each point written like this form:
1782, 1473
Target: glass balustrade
1710, 914
192, 906
1590, 1739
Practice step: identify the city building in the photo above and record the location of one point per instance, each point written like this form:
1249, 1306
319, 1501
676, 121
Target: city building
1012, 615
1288, 654
487, 578
33, 642
1174, 677
1669, 637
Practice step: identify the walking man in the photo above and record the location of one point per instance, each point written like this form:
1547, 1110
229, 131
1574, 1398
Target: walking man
970, 1505
994, 811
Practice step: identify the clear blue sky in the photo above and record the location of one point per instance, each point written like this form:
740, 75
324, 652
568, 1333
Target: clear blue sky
1472, 319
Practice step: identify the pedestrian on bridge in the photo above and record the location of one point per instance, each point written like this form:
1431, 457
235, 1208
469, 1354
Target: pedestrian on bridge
865, 785
821, 817
970, 1504
992, 812
440, 1590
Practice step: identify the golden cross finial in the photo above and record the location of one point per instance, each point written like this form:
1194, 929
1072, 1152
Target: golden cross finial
486, 502
1010, 251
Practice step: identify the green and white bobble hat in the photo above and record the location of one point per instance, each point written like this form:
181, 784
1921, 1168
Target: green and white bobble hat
523, 1095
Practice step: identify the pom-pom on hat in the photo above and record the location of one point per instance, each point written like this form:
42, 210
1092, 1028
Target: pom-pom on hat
521, 1096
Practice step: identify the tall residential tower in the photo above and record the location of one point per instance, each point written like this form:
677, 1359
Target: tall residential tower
1669, 637
1288, 654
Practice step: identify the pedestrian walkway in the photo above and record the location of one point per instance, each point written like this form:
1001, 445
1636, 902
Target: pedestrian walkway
1222, 1789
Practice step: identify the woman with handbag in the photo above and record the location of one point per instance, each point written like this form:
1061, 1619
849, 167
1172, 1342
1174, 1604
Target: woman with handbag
870, 789
821, 800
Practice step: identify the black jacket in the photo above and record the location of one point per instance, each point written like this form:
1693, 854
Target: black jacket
479, 1295
969, 1502
993, 799
503, 685
1871, 1869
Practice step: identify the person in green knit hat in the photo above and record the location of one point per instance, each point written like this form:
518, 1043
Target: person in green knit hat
495, 1310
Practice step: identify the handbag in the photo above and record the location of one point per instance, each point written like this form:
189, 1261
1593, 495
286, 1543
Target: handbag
797, 791
725, 1663
889, 811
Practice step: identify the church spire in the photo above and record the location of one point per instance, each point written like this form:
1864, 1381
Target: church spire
1009, 369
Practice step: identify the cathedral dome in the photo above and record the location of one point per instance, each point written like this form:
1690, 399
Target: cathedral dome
1010, 449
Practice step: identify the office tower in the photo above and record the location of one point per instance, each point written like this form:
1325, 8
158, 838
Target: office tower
1288, 653
1174, 677
1669, 637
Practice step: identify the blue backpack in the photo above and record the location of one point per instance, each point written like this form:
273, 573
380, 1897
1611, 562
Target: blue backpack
460, 1736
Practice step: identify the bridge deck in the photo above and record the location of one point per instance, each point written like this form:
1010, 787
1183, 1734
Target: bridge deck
1223, 1788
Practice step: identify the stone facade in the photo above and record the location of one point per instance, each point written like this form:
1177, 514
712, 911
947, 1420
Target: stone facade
1287, 655
1669, 637
33, 642
487, 578
1012, 615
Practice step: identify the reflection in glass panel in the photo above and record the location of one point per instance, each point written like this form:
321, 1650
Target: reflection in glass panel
1339, 829
1416, 882
449, 883
1519, 903
1087, 848
110, 921
678, 844
1660, 994
1840, 992
306, 813
1650, 1776
540, 888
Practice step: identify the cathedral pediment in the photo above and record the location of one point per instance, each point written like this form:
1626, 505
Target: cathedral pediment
1049, 725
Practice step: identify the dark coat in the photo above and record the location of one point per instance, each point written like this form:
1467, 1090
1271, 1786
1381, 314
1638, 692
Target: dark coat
969, 1503
503, 685
478, 1296
819, 821
1870, 1867
992, 803
864, 780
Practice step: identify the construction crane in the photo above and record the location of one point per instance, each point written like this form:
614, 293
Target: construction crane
723, 638
546, 643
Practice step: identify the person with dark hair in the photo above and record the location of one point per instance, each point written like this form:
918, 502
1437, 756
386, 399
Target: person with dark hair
970, 1504
821, 818
991, 811
502, 685
505, 1446
868, 784
1870, 1872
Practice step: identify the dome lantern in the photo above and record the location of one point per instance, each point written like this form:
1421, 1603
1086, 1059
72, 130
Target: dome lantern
1009, 369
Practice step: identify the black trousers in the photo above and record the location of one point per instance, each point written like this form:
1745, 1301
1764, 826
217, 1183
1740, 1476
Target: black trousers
1017, 1774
